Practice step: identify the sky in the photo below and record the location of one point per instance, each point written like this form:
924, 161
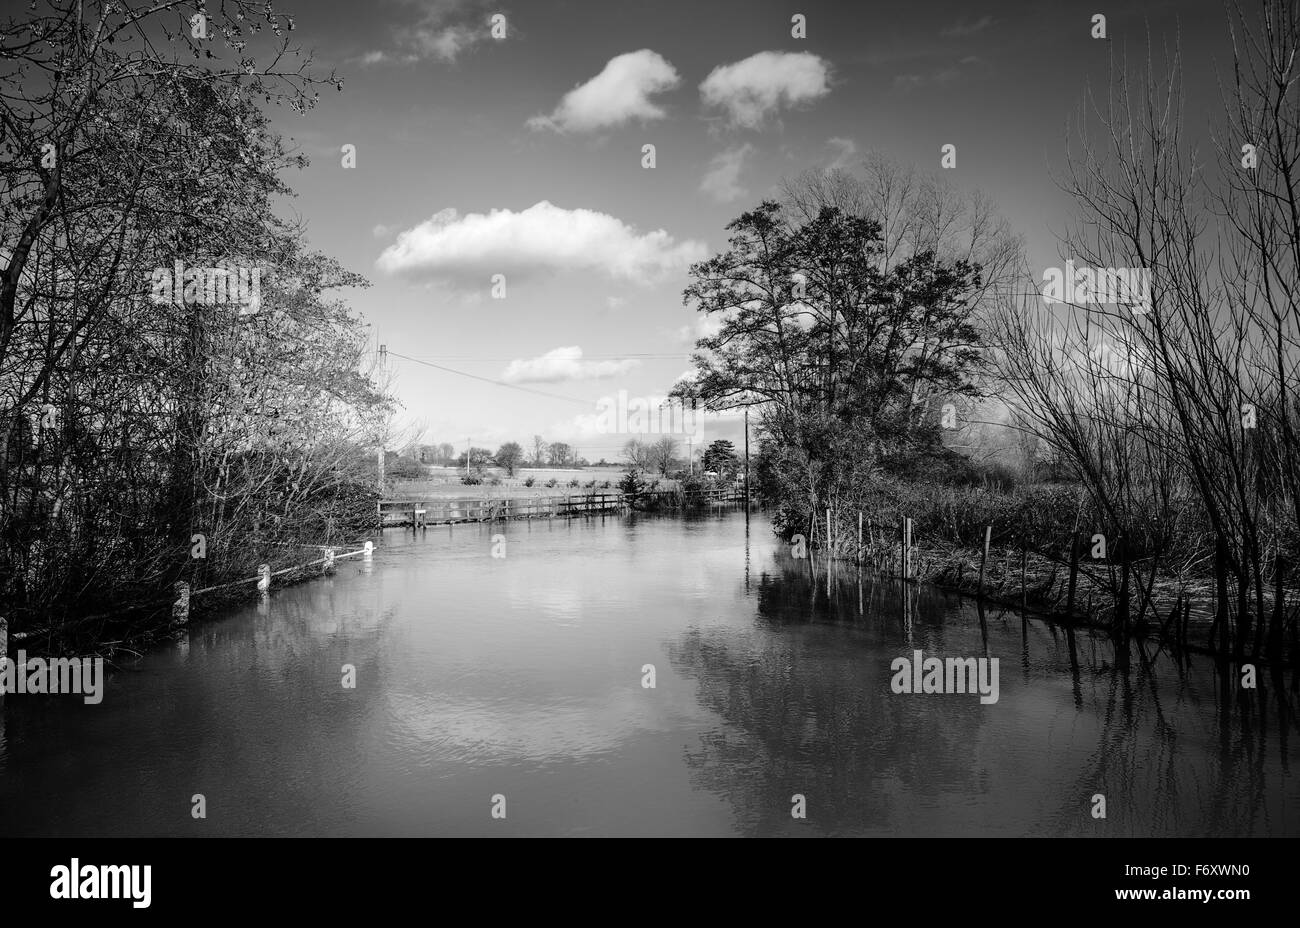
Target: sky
521, 154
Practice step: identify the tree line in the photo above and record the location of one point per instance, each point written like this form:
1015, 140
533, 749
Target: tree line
181, 387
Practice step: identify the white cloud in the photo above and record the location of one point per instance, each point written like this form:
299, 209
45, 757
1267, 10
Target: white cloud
844, 151
442, 31
619, 93
722, 182
704, 326
563, 364
615, 302
380, 231
465, 251
755, 88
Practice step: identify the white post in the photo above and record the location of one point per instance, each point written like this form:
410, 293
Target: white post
181, 608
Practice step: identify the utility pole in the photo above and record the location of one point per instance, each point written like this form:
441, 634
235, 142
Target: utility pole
747, 459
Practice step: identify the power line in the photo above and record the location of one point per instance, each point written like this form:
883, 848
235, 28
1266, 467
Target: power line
499, 383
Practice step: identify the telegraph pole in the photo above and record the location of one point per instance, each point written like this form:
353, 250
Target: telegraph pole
746, 459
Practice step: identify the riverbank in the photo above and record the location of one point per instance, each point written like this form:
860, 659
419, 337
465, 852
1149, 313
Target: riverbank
1041, 558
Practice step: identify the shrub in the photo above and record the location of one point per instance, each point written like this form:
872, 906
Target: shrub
529, 480
631, 484
552, 482
403, 467
471, 480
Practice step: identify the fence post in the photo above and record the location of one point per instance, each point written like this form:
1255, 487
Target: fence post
902, 531
181, 608
1074, 574
1024, 563
988, 534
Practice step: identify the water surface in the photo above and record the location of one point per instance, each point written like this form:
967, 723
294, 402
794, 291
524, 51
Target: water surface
522, 677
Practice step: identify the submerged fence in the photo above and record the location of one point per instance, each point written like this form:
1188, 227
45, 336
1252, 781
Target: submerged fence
183, 593
441, 511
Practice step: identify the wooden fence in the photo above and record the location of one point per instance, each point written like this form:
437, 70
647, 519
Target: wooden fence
433, 510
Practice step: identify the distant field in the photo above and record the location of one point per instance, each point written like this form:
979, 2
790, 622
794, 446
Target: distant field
443, 482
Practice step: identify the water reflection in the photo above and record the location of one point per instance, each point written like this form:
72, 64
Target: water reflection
804, 693
522, 675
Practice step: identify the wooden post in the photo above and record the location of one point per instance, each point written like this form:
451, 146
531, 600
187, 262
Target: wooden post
1024, 563
1074, 574
988, 535
906, 529
181, 608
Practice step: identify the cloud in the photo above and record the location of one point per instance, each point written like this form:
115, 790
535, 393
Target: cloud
618, 94
443, 31
843, 152
615, 302
722, 180
755, 88
963, 28
465, 251
704, 326
380, 231
564, 364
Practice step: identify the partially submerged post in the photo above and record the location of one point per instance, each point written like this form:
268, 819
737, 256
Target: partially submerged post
988, 535
181, 608
907, 548
1074, 574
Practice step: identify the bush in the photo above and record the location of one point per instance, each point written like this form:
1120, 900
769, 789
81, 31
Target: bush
631, 483
403, 467
471, 480
529, 480
552, 482
573, 482
494, 482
